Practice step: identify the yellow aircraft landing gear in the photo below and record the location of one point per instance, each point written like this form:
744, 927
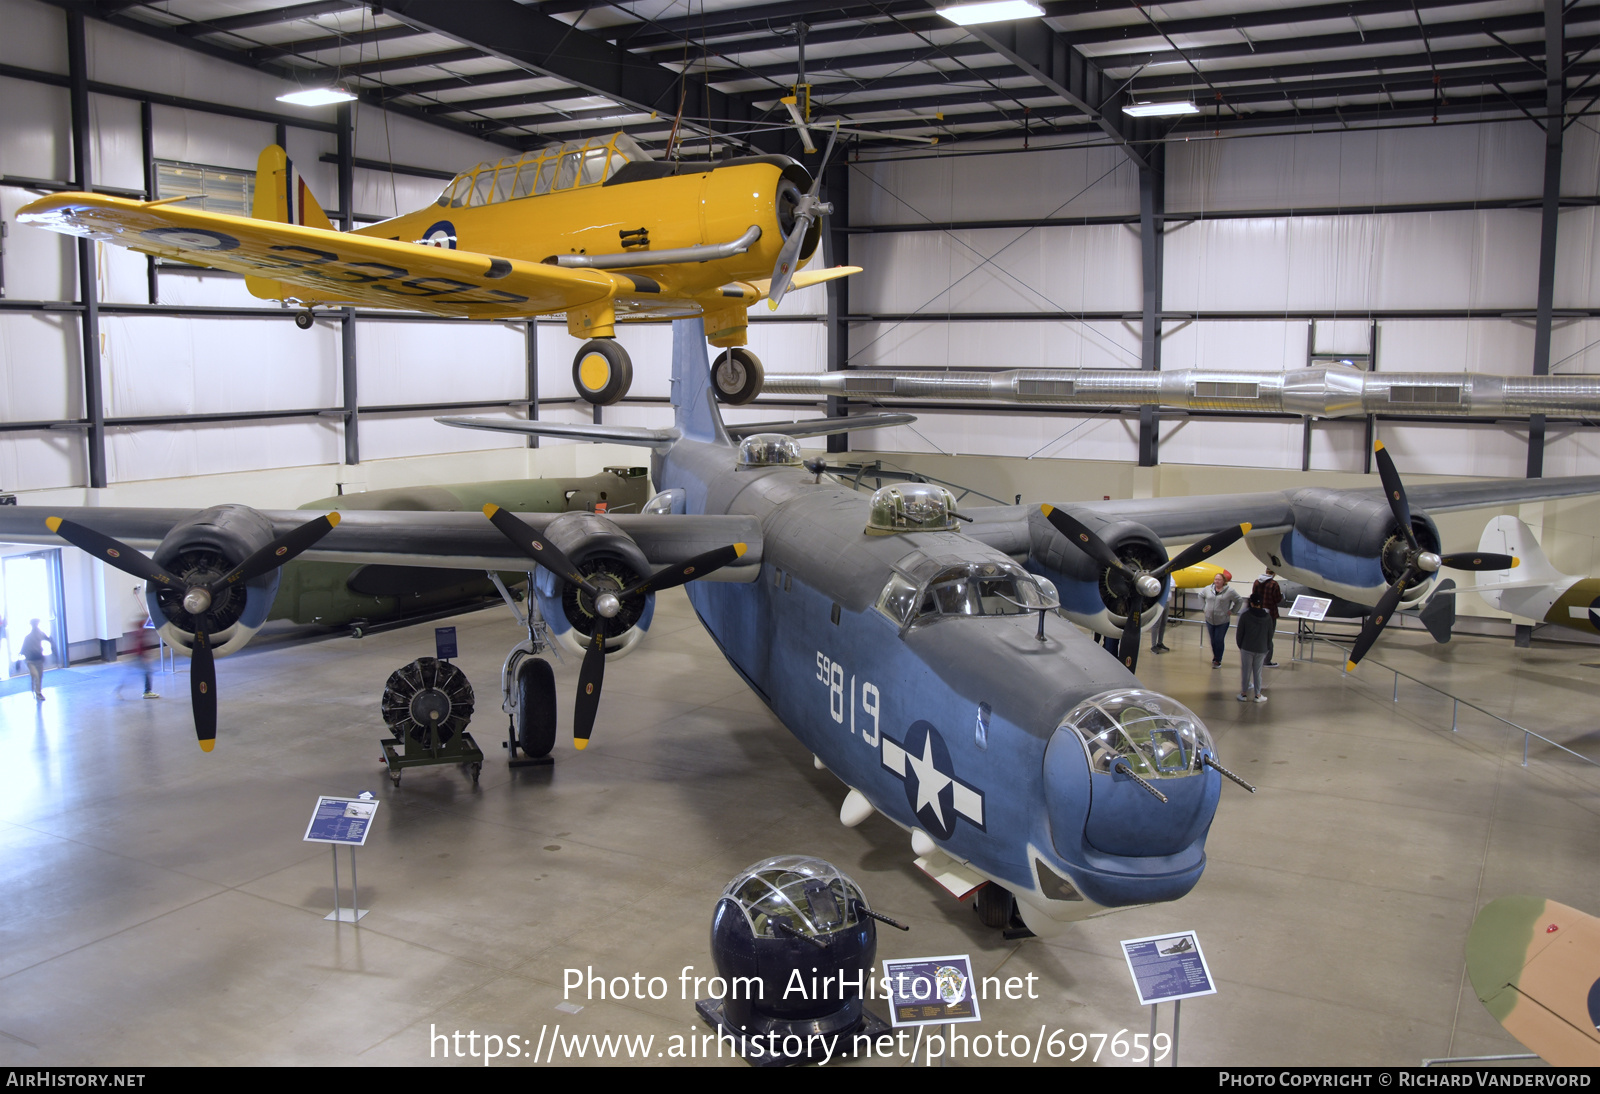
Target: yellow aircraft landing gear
303, 318
602, 371
736, 376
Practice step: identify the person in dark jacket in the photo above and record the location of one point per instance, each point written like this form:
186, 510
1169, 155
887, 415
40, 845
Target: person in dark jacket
1271, 597
1254, 638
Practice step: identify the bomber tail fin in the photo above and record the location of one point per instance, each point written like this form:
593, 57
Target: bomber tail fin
695, 410
1507, 535
282, 196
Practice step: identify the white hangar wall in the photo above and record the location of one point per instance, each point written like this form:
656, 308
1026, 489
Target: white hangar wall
1245, 268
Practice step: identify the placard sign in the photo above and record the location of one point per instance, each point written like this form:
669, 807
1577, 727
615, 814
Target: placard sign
341, 820
1310, 607
926, 991
1167, 967
444, 641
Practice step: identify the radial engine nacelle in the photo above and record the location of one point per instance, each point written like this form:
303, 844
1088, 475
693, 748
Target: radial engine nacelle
1349, 546
199, 550
607, 557
1092, 595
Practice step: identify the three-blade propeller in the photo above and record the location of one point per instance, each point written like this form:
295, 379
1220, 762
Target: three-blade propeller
1418, 563
604, 602
1144, 586
807, 210
198, 597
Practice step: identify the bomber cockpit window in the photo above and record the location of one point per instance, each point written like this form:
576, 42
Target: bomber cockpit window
557, 167
960, 589
1155, 736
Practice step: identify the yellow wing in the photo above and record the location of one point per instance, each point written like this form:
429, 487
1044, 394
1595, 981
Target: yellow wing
330, 266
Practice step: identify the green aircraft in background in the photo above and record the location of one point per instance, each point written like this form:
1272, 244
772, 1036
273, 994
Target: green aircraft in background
336, 594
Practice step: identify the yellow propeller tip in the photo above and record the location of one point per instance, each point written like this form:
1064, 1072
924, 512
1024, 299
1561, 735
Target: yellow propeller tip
739, 549
333, 519
1245, 527
53, 523
490, 510
580, 743
207, 746
772, 305
1377, 446
1349, 666
1047, 509
1515, 562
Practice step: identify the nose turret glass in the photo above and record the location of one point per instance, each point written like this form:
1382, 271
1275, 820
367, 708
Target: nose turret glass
1158, 737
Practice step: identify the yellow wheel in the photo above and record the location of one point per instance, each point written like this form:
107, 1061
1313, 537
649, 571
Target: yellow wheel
602, 371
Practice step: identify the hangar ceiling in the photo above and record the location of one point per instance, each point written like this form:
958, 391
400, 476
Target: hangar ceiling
525, 74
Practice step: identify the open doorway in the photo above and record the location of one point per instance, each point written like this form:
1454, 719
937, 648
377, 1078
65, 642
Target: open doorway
30, 588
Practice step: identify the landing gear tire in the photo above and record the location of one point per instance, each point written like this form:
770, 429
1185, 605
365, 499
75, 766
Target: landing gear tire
602, 371
736, 376
302, 319
536, 708
995, 905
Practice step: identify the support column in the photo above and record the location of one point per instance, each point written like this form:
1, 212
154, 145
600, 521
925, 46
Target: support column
1152, 246
347, 321
147, 145
532, 362
1554, 119
836, 252
88, 294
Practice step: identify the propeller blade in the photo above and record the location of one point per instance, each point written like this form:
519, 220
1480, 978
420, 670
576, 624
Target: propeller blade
1082, 538
1373, 625
537, 548
112, 552
276, 553
670, 577
1128, 644
590, 677
787, 266
203, 691
1396, 493
1463, 560
1207, 547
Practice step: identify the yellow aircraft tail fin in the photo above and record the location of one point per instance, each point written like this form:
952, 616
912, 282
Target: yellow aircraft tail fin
282, 196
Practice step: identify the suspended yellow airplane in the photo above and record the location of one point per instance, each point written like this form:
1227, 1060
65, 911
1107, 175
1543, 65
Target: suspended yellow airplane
595, 229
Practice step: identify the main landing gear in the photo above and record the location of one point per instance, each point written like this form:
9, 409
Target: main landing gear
602, 371
736, 376
303, 318
528, 687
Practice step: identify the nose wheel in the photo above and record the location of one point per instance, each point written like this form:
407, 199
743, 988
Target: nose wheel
602, 371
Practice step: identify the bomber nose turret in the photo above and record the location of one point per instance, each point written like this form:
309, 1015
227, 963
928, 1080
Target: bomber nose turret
1151, 795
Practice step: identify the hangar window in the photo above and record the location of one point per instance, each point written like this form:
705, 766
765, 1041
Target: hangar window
214, 189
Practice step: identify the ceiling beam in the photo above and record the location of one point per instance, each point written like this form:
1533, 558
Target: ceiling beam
1054, 63
267, 18
330, 41
546, 46
389, 64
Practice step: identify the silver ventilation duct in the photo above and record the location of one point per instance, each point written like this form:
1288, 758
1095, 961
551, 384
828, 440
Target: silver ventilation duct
1333, 392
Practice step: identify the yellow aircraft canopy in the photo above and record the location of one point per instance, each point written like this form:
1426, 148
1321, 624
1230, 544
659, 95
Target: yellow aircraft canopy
554, 167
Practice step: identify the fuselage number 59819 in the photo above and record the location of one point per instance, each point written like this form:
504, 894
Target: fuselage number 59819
832, 675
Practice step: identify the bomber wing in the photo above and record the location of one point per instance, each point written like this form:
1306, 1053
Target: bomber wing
463, 541
1180, 520
334, 267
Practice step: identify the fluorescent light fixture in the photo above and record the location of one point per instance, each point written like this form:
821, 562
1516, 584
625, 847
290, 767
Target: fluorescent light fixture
991, 11
317, 96
1160, 110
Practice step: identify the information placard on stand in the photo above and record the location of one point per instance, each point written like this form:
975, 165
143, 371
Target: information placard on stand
343, 822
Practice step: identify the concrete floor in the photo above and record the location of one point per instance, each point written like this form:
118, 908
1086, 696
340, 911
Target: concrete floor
160, 907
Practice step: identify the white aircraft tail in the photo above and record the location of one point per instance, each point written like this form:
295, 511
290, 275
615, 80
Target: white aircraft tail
1507, 535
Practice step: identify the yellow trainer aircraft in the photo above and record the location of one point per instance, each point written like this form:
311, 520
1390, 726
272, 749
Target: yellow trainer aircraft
595, 229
